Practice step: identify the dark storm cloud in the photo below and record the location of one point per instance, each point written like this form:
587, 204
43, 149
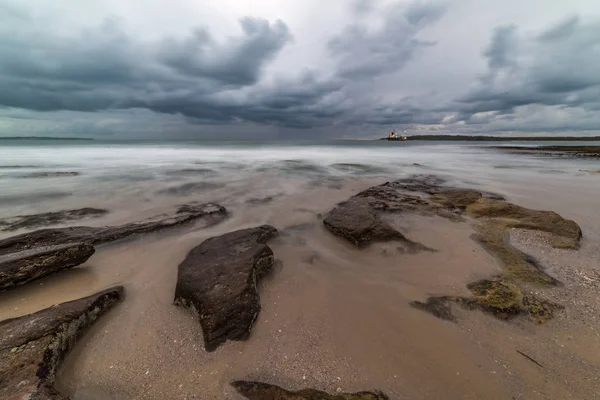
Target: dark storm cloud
239, 61
209, 81
365, 53
559, 67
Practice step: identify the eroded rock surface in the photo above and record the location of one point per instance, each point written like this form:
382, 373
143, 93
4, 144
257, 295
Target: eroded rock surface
265, 391
33, 346
51, 174
49, 218
25, 266
209, 213
218, 281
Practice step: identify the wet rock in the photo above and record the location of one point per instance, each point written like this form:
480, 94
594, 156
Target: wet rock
257, 201
502, 299
49, 218
429, 184
25, 266
33, 346
459, 198
218, 279
566, 233
265, 391
357, 221
51, 174
208, 213
516, 264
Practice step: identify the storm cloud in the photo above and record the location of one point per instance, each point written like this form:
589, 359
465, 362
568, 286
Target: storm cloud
102, 72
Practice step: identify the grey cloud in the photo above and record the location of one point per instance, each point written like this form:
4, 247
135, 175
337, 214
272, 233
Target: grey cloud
238, 61
558, 67
365, 53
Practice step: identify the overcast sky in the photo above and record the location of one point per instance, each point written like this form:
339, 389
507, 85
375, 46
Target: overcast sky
298, 68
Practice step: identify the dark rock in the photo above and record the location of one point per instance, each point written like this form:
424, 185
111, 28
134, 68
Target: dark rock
429, 184
49, 218
357, 221
33, 346
265, 391
25, 266
189, 188
51, 174
209, 213
218, 281
438, 306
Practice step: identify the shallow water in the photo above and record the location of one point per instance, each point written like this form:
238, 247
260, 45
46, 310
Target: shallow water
333, 317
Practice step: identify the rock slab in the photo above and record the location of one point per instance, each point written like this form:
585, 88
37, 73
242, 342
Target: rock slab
210, 213
49, 218
33, 346
25, 266
218, 281
265, 391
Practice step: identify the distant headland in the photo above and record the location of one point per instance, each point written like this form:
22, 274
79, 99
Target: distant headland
41, 138
482, 138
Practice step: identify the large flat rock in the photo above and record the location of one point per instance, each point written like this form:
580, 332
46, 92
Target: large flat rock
265, 391
218, 281
210, 213
49, 218
25, 266
33, 346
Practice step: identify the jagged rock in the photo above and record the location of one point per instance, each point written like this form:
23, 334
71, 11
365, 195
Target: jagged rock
209, 213
566, 233
25, 266
49, 218
429, 184
218, 281
33, 346
265, 391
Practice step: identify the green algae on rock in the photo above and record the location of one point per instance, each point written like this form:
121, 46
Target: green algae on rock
33, 346
565, 233
265, 391
500, 298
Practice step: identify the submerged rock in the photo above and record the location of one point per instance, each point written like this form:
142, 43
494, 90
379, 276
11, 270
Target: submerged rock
218, 279
51, 174
209, 213
33, 346
49, 218
265, 391
25, 266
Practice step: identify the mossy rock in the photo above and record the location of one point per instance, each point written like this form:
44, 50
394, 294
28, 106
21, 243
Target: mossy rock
566, 233
265, 391
500, 298
516, 264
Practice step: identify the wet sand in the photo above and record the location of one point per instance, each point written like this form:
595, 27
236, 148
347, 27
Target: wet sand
334, 317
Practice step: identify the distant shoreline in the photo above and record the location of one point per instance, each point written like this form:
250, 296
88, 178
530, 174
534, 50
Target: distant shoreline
468, 138
41, 138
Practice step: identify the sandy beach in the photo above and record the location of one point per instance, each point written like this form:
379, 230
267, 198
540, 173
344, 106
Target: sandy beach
335, 317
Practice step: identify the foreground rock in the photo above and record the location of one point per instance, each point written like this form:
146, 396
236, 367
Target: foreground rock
209, 213
25, 266
218, 279
49, 218
358, 220
264, 391
500, 298
32, 347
